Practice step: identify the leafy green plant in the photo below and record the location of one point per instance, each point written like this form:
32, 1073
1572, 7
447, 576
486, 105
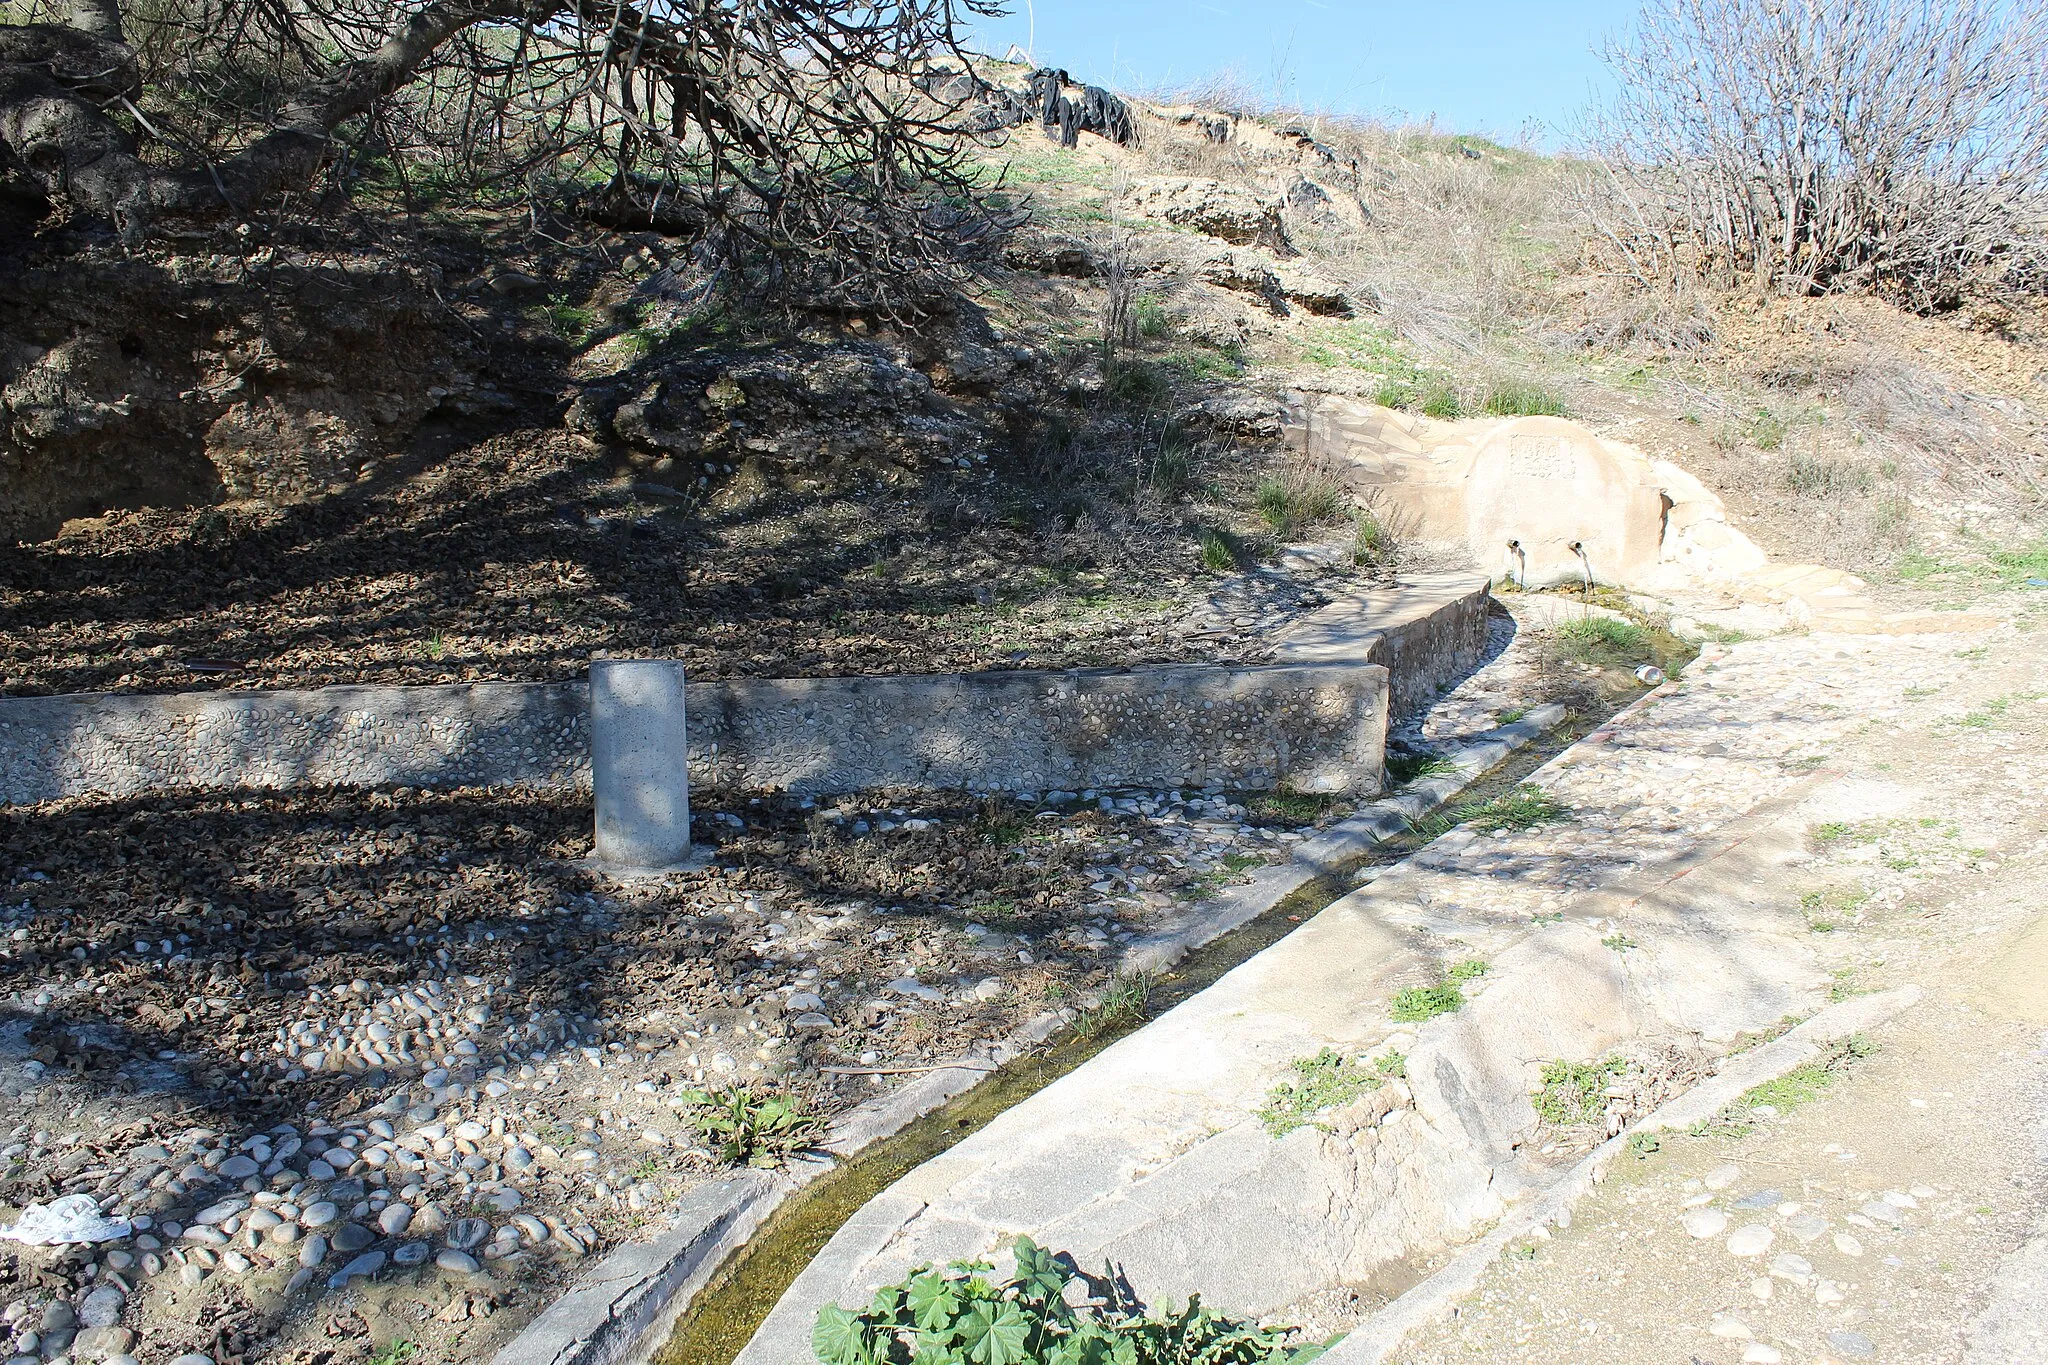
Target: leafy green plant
395, 1352
750, 1128
1574, 1092
1520, 398
1765, 429
1325, 1081
1511, 715
1469, 970
1286, 504
1523, 808
1621, 943
960, 1316
1150, 316
1393, 1065
1418, 1003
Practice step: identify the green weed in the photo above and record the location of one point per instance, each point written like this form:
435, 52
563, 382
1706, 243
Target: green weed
1325, 1081
1286, 505
1408, 767
1806, 1082
1418, 1003
751, 1128
1605, 642
1469, 970
1621, 943
959, 1316
1523, 808
1573, 1092
1217, 556
394, 1353
1122, 1004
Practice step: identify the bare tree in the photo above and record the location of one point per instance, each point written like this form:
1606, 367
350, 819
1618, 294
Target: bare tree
789, 132
1812, 145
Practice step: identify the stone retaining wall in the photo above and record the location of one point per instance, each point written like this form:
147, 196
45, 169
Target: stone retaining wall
1314, 726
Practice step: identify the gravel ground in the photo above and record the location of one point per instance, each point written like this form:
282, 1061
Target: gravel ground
300, 1041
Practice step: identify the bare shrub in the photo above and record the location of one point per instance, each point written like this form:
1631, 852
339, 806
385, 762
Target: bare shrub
1811, 145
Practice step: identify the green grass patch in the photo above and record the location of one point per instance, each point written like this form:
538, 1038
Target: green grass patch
1520, 398
1605, 642
1418, 1003
1810, 1080
1286, 505
1290, 808
1218, 555
1573, 1092
1325, 1081
1523, 808
1408, 767
1471, 969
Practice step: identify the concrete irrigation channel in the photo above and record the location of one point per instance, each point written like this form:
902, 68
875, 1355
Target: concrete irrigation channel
733, 1253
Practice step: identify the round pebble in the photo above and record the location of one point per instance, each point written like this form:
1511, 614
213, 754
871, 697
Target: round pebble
395, 1219
457, 1262
1848, 1245
1756, 1353
352, 1237
1722, 1176
1705, 1223
319, 1215
1762, 1288
369, 1263
1753, 1239
1731, 1329
1852, 1344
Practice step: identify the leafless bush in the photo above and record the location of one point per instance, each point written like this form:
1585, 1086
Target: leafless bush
798, 136
1813, 145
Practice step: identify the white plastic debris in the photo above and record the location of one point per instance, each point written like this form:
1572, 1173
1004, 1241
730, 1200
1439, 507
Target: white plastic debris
74, 1218
1649, 675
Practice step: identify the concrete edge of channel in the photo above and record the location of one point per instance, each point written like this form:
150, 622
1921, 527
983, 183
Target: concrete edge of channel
622, 1311
1381, 1335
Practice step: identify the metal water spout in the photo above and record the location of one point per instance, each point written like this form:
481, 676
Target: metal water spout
1585, 565
1521, 579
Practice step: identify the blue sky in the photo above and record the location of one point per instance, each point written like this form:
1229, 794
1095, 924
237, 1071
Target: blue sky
1480, 66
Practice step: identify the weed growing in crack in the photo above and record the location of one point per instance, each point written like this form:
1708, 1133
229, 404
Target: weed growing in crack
1806, 1082
750, 1128
1605, 642
1523, 808
1122, 1004
1575, 1092
1418, 1003
1325, 1081
1468, 970
1408, 767
1621, 943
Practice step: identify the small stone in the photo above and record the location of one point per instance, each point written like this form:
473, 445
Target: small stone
457, 1262
412, 1253
1752, 1240
352, 1237
193, 1358
468, 1234
1731, 1329
97, 1343
1763, 1288
1790, 1265
1756, 1353
1848, 1343
369, 1263
102, 1307
395, 1219
284, 1234
319, 1215
316, 1169
1762, 1199
1848, 1245
801, 1001
1899, 1200
1705, 1223
1827, 1294
313, 1251
58, 1315
1878, 1211
239, 1167
1806, 1226
1722, 1176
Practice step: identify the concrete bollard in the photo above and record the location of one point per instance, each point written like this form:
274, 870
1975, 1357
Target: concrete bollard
639, 764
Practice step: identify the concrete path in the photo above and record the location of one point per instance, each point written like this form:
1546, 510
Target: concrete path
1657, 911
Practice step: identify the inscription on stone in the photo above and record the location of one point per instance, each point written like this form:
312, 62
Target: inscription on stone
1541, 457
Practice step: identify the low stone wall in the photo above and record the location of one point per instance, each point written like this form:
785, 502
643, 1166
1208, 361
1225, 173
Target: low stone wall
1429, 630
1313, 726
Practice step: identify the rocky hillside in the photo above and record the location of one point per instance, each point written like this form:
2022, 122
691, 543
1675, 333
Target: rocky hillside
445, 445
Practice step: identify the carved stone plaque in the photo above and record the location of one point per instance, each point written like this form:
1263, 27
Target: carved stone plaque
1540, 457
